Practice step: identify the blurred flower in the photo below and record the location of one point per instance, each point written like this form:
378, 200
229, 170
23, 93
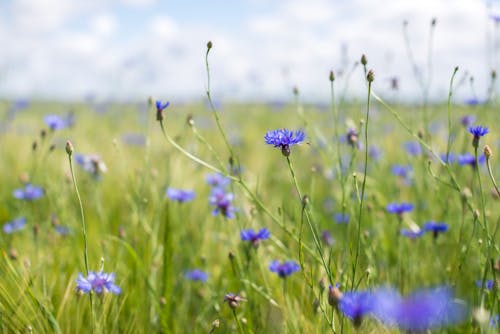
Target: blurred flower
341, 218
283, 139
469, 159
14, 225
217, 180
468, 120
355, 305
92, 164
451, 158
134, 139
375, 152
494, 318
352, 137
29, 193
233, 300
61, 229
473, 101
196, 275
180, 195
399, 208
412, 234
488, 284
435, 227
284, 269
222, 202
99, 282
327, 237
255, 237
403, 171
55, 122
413, 148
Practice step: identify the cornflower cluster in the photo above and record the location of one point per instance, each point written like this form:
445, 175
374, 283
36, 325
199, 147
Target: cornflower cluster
219, 197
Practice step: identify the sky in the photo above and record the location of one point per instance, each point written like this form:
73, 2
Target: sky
132, 49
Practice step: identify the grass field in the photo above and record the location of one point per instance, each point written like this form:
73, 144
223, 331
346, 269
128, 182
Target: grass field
326, 206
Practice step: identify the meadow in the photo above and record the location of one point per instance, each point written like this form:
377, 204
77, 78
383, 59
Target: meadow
154, 217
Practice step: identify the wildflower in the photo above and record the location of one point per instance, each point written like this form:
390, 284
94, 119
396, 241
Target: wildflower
222, 202
233, 300
283, 139
472, 101
352, 137
196, 275
99, 282
217, 180
413, 148
29, 193
355, 305
159, 109
55, 122
255, 237
375, 152
284, 269
399, 208
405, 172
14, 225
334, 295
494, 320
488, 284
412, 234
61, 229
341, 218
450, 159
468, 120
478, 132
91, 164
327, 238
435, 227
469, 159
180, 195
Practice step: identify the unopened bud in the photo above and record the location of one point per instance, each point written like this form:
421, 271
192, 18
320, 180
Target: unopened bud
433, 21
332, 76
295, 90
190, 120
493, 74
487, 152
43, 133
305, 201
364, 61
322, 284
476, 214
334, 296
34, 145
69, 148
370, 76
215, 324
209, 45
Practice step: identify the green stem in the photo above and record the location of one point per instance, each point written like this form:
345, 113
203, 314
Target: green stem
450, 92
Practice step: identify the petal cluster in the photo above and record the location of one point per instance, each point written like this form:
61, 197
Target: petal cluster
98, 282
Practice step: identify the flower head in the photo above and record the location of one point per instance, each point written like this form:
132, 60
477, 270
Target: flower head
478, 131
412, 234
341, 218
222, 202
233, 300
14, 225
327, 237
160, 106
284, 269
29, 193
469, 159
255, 237
435, 227
92, 164
488, 284
413, 148
196, 275
217, 180
355, 305
55, 122
180, 195
468, 120
99, 282
399, 208
283, 139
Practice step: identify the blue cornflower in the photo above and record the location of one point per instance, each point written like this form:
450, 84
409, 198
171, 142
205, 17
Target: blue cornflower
217, 180
469, 159
468, 120
352, 137
473, 101
435, 227
356, 304
222, 202
478, 131
399, 208
403, 171
284, 269
413, 148
99, 282
412, 234
494, 319
451, 158
29, 193
92, 164
14, 225
341, 218
255, 237
488, 284
159, 109
61, 229
55, 122
196, 275
283, 139
180, 195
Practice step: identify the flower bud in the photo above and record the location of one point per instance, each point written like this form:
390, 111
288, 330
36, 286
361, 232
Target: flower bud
364, 61
487, 152
332, 76
209, 45
69, 148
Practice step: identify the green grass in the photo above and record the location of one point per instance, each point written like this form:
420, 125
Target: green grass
134, 231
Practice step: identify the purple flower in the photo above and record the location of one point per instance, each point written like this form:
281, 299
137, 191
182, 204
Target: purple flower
233, 300
403, 171
399, 208
180, 195
99, 282
412, 234
352, 137
61, 229
435, 227
29, 193
468, 120
478, 131
55, 122
217, 180
473, 101
196, 275
92, 164
222, 202
356, 304
341, 218
283, 139
255, 237
488, 284
468, 159
451, 158
14, 225
375, 152
327, 237
159, 109
413, 148
284, 269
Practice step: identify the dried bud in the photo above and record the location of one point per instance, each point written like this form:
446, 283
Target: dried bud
487, 152
322, 284
466, 194
190, 120
215, 324
34, 145
295, 90
305, 201
52, 147
233, 300
364, 61
163, 301
209, 45
493, 74
36, 230
334, 296
43, 133
151, 101
69, 148
24, 178
476, 214
370, 76
13, 254
420, 133
332, 76
433, 21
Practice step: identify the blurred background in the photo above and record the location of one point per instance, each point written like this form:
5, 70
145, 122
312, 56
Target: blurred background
130, 49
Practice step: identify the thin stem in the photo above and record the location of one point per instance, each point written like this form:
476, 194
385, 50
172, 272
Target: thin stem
492, 178
238, 321
450, 92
